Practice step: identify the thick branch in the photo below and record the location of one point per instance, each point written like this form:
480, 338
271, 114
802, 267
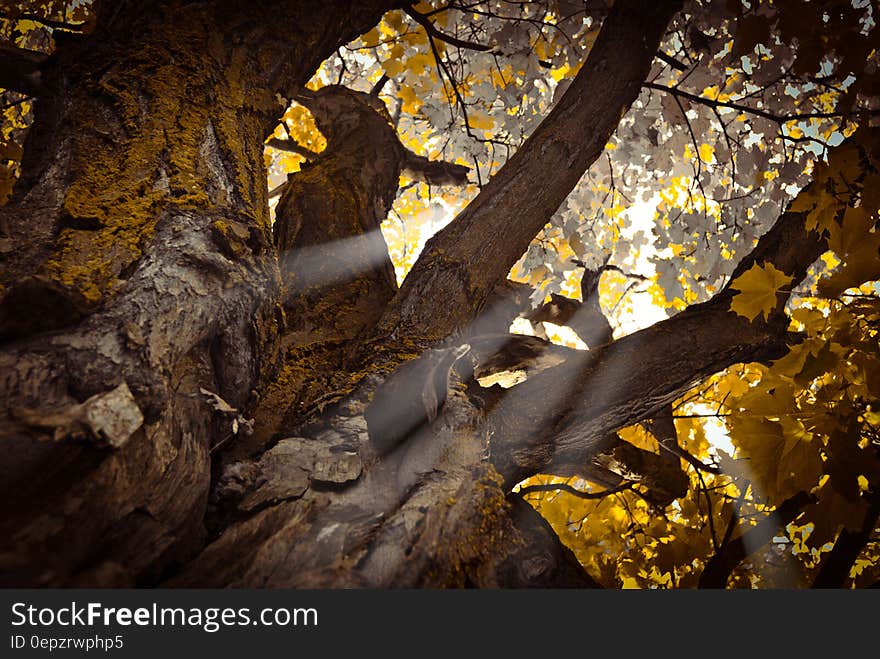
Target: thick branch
511, 210
565, 413
719, 567
20, 69
541, 561
837, 566
495, 353
434, 172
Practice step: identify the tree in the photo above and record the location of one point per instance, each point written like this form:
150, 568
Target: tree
212, 381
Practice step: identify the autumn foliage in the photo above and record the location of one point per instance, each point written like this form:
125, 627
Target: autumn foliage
736, 195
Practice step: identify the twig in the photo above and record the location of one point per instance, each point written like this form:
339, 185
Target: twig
291, 146
778, 119
432, 31
563, 487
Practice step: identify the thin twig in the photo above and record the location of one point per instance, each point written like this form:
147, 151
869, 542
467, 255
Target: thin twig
432, 31
563, 487
778, 119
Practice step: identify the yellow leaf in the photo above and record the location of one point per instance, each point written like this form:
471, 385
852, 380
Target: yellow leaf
410, 100
757, 290
850, 235
707, 153
480, 119
371, 39
419, 62
393, 67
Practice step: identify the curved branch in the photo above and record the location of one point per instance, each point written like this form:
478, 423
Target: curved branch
568, 489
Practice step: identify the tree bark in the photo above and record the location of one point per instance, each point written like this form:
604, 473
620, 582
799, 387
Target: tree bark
510, 210
438, 479
145, 316
149, 276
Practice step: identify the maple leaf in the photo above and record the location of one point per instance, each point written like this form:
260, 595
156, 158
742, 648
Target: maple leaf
857, 245
757, 290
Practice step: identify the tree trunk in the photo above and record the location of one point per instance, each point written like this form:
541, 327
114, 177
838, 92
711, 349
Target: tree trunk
145, 317
142, 271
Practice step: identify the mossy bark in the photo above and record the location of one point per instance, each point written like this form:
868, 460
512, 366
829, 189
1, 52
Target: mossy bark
143, 271
145, 317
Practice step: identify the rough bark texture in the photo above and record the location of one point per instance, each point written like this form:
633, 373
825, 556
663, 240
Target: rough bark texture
145, 316
597, 392
149, 275
430, 481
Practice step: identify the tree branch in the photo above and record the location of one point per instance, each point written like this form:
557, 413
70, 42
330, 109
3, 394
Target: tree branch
568, 489
563, 414
541, 560
291, 146
432, 31
434, 172
837, 566
48, 22
776, 118
510, 210
495, 353
20, 69
671, 61
719, 567
662, 426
